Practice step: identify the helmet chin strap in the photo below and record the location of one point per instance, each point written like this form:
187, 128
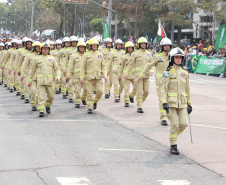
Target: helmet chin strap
176, 64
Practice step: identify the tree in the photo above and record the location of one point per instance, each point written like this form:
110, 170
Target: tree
96, 25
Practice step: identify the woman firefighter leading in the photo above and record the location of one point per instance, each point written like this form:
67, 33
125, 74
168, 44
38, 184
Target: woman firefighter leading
176, 97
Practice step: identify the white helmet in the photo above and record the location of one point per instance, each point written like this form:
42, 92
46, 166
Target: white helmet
176, 52
47, 41
118, 41
14, 41
2, 44
58, 41
73, 38
108, 40
29, 40
19, 42
51, 42
66, 39
165, 41
9, 44
81, 39
97, 37
24, 39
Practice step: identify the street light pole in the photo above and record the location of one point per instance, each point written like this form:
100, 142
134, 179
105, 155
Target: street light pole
214, 21
65, 14
32, 17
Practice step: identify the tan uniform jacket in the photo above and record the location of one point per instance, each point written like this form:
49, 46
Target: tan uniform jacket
23, 55
93, 66
2, 57
62, 55
27, 65
68, 52
18, 54
7, 57
114, 60
106, 53
123, 66
44, 66
74, 66
12, 59
176, 91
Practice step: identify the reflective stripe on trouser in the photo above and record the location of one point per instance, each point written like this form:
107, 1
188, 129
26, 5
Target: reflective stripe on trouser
118, 87
161, 110
57, 86
49, 90
126, 90
98, 84
84, 94
176, 115
18, 83
33, 90
5, 74
63, 84
108, 85
26, 88
1, 74
142, 88
11, 80
71, 88
78, 88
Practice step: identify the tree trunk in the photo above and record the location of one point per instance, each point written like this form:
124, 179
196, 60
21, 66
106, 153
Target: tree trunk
179, 35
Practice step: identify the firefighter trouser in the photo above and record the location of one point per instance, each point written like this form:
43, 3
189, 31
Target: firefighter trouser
108, 85
1, 74
175, 116
98, 84
11, 80
49, 90
33, 90
5, 74
17, 82
118, 87
142, 88
161, 110
78, 88
71, 87
126, 90
26, 88
63, 84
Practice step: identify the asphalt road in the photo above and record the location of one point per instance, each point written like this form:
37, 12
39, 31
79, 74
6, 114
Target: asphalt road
115, 145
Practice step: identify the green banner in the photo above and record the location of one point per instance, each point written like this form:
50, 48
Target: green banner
106, 29
207, 65
221, 37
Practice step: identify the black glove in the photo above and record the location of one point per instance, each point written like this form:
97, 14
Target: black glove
166, 107
189, 109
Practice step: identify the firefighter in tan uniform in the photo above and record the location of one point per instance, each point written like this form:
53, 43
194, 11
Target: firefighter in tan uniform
55, 54
92, 69
11, 66
73, 72
113, 67
71, 50
140, 59
107, 52
161, 62
176, 97
123, 69
62, 55
1, 55
24, 86
26, 69
44, 66
4, 52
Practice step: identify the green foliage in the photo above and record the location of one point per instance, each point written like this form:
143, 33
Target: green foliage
96, 25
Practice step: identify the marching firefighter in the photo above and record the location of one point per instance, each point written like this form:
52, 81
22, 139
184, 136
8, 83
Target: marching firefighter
140, 59
113, 68
92, 69
107, 52
176, 98
73, 72
44, 66
1, 56
123, 68
161, 62
26, 69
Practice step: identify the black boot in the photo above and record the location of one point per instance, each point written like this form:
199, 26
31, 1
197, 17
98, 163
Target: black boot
41, 114
164, 122
95, 106
22, 97
119, 98
116, 100
77, 105
94, 92
18, 94
60, 90
11, 90
0, 83
70, 100
5, 85
67, 93
8, 88
140, 110
84, 102
48, 110
90, 111
126, 104
64, 96
34, 108
57, 92
174, 150
106, 95
131, 99
27, 101
14, 88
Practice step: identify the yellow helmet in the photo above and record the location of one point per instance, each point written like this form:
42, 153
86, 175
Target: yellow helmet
44, 45
36, 43
81, 43
129, 44
93, 41
142, 40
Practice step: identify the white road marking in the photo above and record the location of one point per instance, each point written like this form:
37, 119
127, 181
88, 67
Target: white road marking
73, 181
212, 81
174, 182
197, 81
206, 126
129, 150
51, 120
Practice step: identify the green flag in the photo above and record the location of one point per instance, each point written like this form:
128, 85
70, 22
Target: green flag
106, 29
157, 39
147, 37
221, 37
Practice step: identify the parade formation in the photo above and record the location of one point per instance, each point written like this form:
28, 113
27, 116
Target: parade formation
82, 72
